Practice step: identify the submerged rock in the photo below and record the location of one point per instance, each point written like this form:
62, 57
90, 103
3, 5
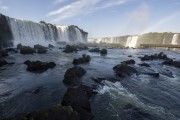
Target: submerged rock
79, 99
145, 65
73, 74
2, 62
51, 46
172, 63
83, 59
129, 62
70, 49
38, 66
123, 70
27, 50
103, 52
94, 50
161, 56
57, 112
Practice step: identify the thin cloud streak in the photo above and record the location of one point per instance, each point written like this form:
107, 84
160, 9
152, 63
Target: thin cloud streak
82, 7
2, 7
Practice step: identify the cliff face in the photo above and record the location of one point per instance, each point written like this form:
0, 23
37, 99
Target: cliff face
5, 32
147, 38
14, 31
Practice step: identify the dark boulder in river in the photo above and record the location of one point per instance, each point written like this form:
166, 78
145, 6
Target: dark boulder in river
123, 70
57, 112
103, 52
172, 63
70, 49
83, 59
94, 50
161, 56
79, 99
38, 66
51, 46
27, 50
145, 65
40, 49
73, 74
3, 53
2, 62
129, 62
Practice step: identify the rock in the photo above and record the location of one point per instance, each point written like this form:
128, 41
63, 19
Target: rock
57, 112
70, 49
82, 47
94, 50
153, 74
172, 63
27, 50
39, 47
51, 46
161, 56
79, 99
123, 70
41, 50
19, 46
98, 80
3, 53
103, 52
129, 62
145, 64
84, 59
73, 74
12, 50
38, 66
2, 62
129, 55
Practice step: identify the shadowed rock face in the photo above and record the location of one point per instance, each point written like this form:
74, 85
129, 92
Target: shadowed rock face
172, 63
79, 99
55, 113
6, 35
82, 60
123, 70
38, 66
73, 74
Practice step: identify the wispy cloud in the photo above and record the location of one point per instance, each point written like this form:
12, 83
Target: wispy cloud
3, 7
82, 7
58, 1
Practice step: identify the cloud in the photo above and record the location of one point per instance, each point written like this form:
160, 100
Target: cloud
2, 7
82, 7
58, 1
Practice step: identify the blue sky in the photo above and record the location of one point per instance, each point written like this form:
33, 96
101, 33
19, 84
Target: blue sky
100, 18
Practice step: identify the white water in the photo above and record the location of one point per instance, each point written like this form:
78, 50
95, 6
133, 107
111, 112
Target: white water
30, 33
175, 39
132, 42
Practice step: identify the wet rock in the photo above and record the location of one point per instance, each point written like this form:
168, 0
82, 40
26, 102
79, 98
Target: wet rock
3, 53
103, 52
41, 51
161, 56
38, 66
172, 63
94, 50
98, 80
2, 62
57, 112
12, 50
70, 49
19, 46
79, 99
27, 50
129, 55
82, 47
145, 65
83, 59
39, 47
123, 70
51, 46
129, 62
73, 74
153, 74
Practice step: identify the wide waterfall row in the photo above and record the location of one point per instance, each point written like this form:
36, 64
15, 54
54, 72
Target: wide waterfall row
147, 38
30, 33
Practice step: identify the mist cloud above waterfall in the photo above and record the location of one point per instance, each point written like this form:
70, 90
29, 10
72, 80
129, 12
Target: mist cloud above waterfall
82, 7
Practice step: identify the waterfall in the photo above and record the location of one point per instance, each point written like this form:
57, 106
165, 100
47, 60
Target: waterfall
31, 33
175, 39
164, 40
132, 42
